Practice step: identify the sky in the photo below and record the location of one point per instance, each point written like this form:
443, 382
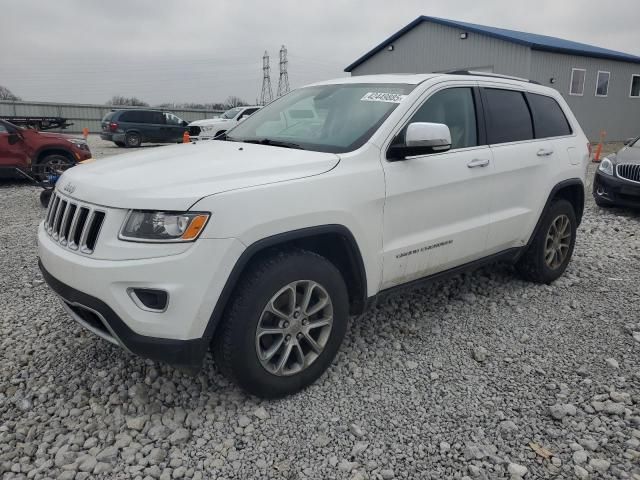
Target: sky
205, 51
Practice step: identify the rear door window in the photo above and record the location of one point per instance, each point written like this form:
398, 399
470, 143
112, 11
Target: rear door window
548, 118
508, 116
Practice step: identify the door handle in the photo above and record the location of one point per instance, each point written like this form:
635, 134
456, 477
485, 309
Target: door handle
543, 152
478, 162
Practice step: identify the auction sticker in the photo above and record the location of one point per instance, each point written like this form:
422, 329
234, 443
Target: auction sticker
383, 97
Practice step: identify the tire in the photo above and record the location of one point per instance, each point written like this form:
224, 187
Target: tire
45, 196
269, 282
534, 265
133, 140
120, 144
51, 165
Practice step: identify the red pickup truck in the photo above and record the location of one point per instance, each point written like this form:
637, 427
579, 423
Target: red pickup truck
37, 153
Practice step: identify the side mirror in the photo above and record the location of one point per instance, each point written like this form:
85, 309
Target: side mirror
421, 138
14, 138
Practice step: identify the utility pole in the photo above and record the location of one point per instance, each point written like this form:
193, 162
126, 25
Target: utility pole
283, 81
267, 93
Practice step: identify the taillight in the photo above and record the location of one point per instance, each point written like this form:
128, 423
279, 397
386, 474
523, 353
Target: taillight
113, 126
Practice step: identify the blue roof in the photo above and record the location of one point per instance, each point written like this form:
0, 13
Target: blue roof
535, 41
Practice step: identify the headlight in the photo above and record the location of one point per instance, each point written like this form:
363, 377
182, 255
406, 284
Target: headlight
81, 144
606, 166
149, 226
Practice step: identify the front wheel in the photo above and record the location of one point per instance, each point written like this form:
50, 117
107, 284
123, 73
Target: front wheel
52, 166
285, 324
547, 257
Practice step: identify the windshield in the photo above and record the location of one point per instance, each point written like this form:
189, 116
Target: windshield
229, 114
326, 118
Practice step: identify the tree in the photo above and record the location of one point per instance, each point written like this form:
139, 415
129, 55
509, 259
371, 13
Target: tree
232, 101
120, 101
6, 94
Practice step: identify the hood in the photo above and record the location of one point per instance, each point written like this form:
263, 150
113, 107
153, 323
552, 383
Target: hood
627, 155
56, 135
175, 177
208, 121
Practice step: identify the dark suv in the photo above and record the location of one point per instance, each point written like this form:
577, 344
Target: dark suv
131, 128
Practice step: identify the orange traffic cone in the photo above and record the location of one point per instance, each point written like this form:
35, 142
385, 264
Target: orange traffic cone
596, 157
85, 132
185, 137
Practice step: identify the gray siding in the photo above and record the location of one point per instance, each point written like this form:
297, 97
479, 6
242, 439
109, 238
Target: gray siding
430, 47
83, 115
617, 114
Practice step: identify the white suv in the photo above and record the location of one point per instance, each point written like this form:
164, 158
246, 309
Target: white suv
212, 127
262, 244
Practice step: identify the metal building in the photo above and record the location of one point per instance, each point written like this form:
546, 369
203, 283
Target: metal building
602, 86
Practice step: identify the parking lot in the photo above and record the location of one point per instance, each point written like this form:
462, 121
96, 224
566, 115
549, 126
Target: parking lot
481, 376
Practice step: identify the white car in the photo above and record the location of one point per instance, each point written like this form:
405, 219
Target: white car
262, 245
212, 127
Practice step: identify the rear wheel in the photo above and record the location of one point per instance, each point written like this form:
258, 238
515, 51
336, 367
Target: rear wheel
133, 140
285, 324
547, 257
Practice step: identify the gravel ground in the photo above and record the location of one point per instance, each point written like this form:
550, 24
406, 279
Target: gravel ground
482, 376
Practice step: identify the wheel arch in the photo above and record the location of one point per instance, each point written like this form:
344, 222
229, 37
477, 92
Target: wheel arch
571, 190
334, 242
46, 151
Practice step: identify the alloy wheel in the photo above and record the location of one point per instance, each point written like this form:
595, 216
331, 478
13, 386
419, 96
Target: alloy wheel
294, 328
557, 242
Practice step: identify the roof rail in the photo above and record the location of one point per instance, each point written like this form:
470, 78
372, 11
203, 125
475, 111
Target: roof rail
486, 74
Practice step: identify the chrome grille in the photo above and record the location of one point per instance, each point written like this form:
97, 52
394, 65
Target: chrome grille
72, 224
629, 171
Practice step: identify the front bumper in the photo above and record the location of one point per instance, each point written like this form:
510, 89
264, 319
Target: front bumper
97, 317
95, 292
616, 191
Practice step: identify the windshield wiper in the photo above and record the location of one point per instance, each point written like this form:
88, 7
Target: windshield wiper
274, 143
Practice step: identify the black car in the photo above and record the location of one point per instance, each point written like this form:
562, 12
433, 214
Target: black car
131, 128
617, 180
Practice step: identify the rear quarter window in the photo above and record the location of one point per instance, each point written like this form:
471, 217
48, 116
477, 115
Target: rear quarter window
508, 116
548, 118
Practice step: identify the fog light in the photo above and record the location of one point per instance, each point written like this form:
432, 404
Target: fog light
149, 298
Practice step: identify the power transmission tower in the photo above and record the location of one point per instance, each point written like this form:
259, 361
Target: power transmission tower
267, 93
283, 82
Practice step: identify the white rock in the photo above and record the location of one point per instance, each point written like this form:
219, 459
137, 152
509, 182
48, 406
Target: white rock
516, 470
612, 362
579, 457
599, 464
580, 472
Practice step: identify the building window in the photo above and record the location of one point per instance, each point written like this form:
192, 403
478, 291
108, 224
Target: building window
602, 84
635, 86
577, 81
